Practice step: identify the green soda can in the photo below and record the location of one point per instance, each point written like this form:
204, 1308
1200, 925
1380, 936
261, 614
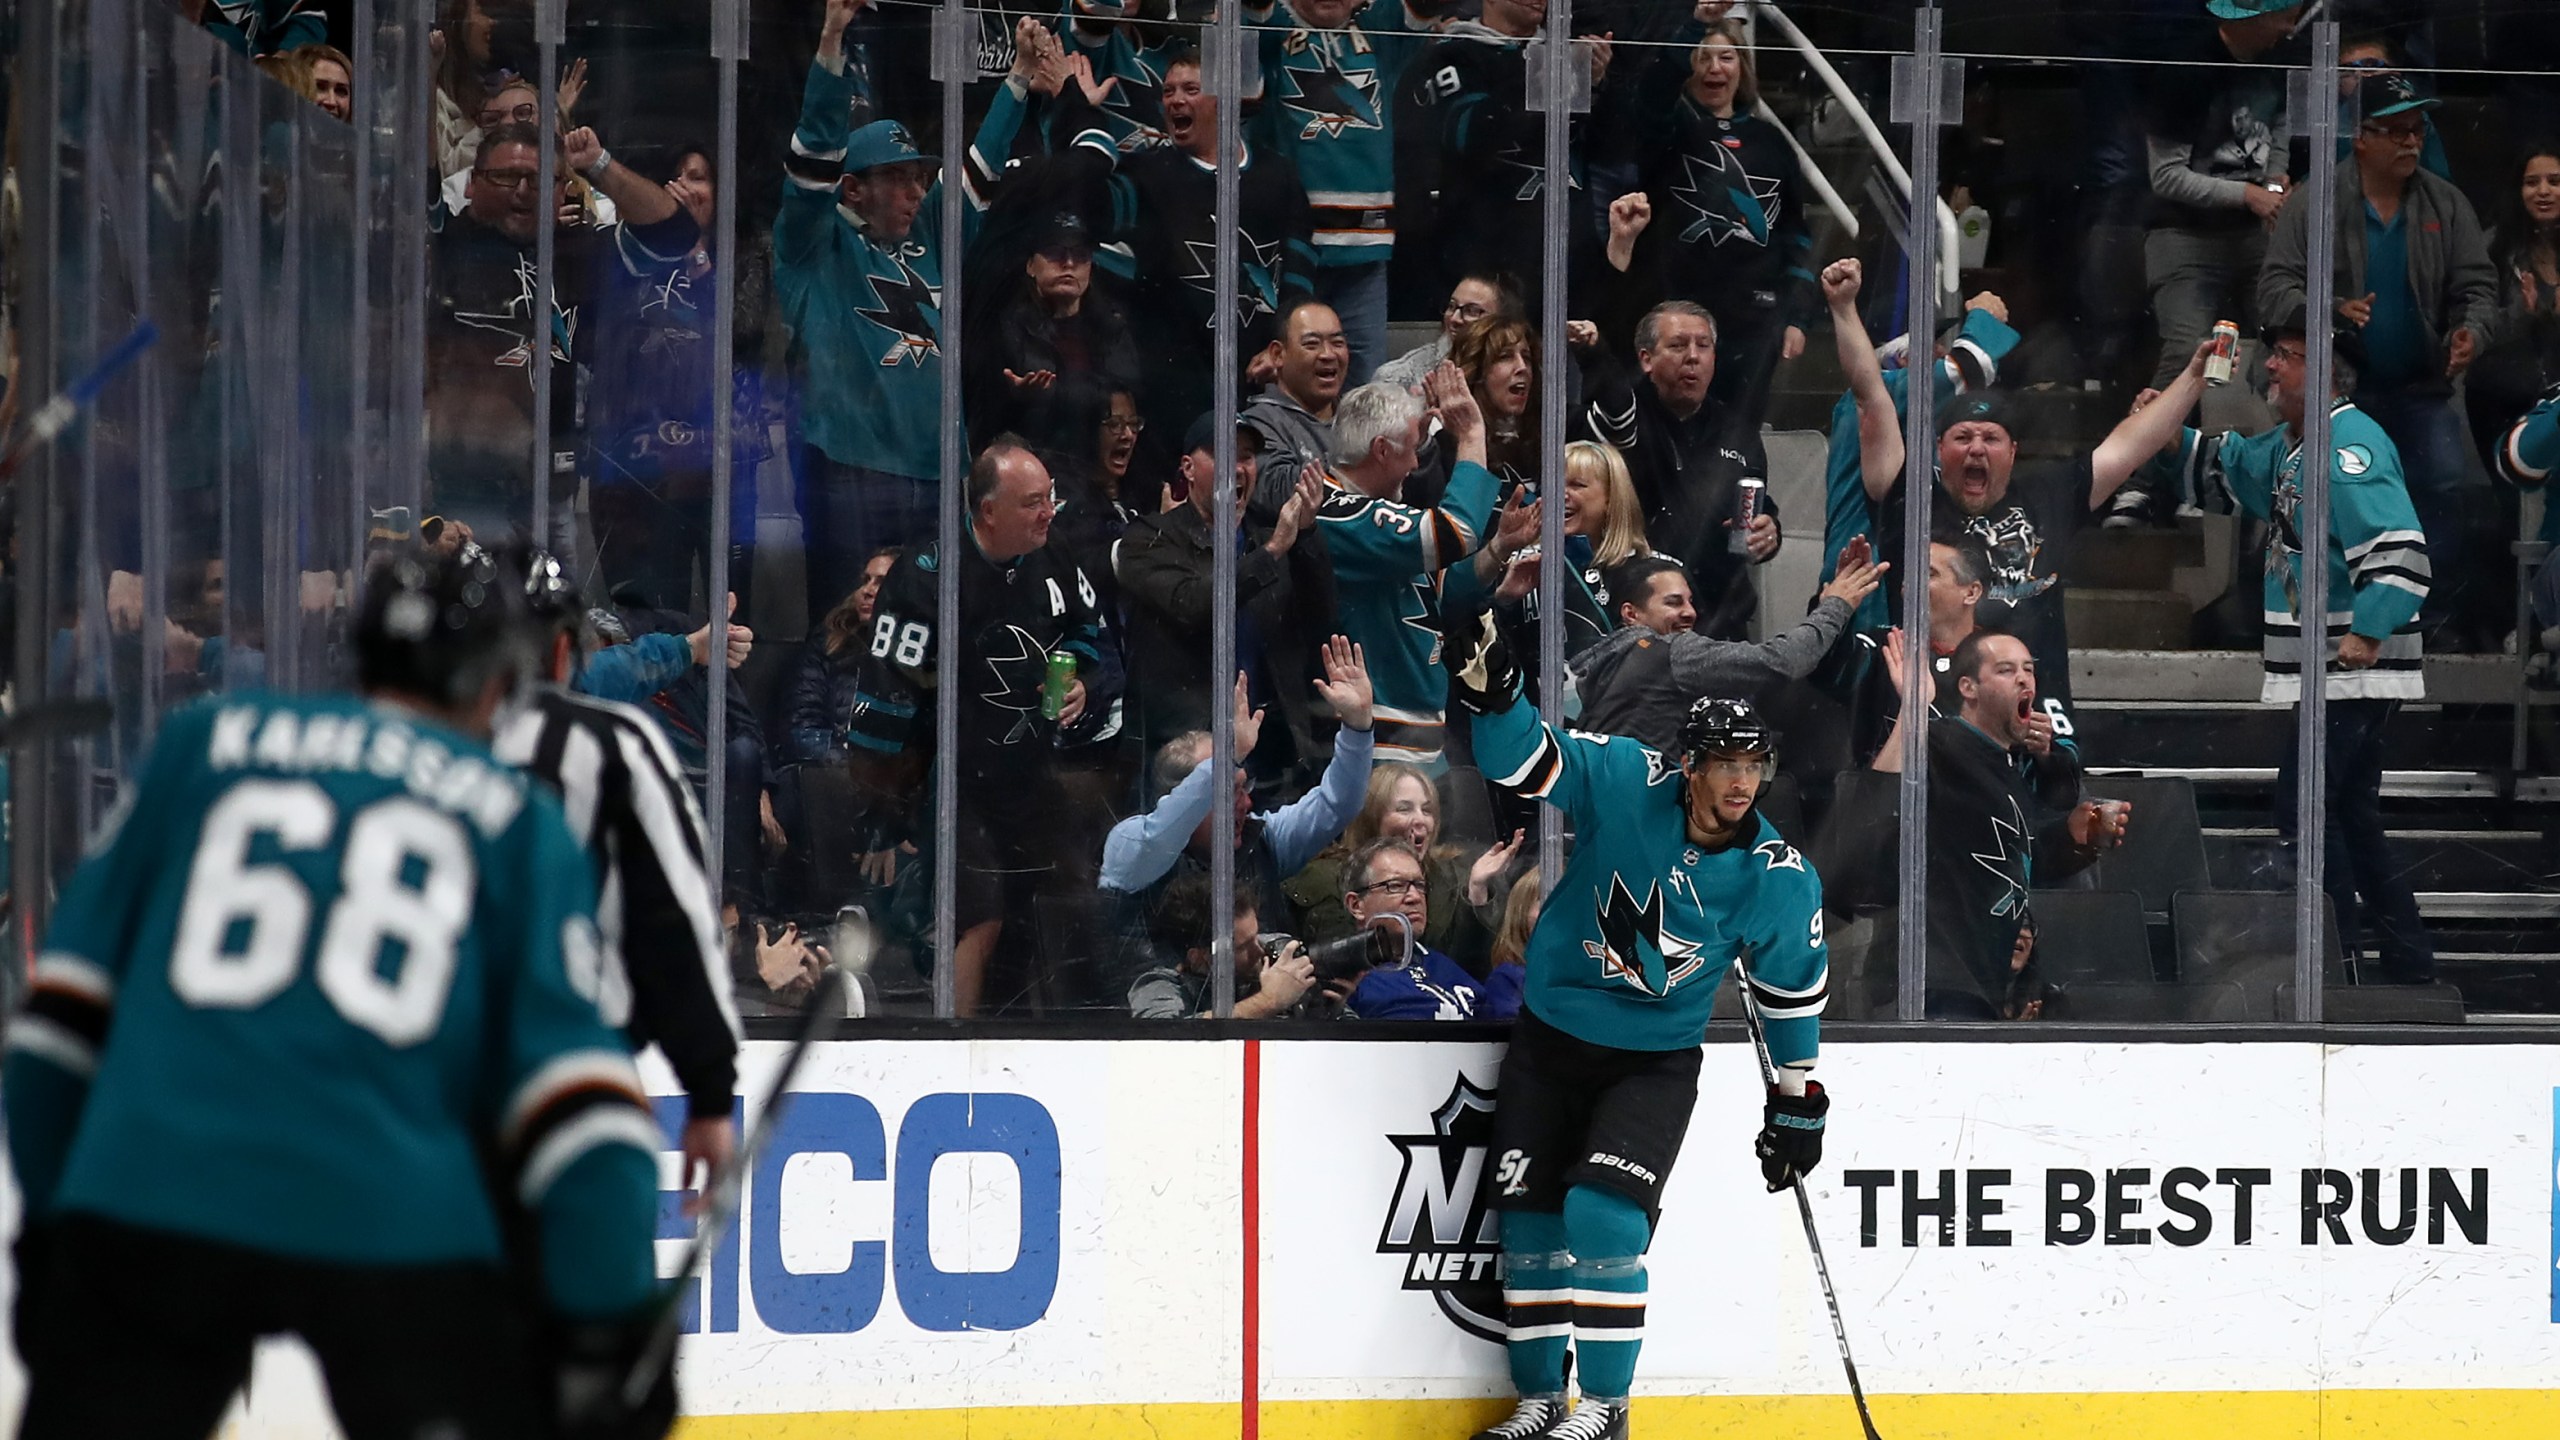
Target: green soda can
1061, 677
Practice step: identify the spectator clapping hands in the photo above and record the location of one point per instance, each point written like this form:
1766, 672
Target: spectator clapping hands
1857, 575
1445, 390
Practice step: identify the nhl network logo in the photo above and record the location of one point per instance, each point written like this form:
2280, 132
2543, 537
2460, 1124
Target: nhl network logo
1451, 1240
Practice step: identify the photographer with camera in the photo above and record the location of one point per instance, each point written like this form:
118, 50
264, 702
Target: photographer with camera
1388, 894
1274, 978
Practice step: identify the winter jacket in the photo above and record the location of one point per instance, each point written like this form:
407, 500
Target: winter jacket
1688, 476
820, 702
2450, 272
1164, 570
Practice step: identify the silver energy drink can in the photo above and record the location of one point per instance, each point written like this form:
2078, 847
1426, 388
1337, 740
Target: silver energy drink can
1754, 490
2226, 353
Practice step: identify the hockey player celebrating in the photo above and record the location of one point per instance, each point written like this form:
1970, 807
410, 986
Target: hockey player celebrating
334, 954
1674, 874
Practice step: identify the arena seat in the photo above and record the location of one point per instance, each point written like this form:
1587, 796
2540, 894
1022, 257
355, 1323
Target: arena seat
2245, 937
2149, 1003
2095, 936
2163, 851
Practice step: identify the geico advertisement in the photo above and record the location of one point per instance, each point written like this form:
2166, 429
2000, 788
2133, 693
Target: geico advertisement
1997, 1218
956, 1224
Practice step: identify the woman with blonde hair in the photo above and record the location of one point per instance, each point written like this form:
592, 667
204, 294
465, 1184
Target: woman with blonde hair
1603, 529
1505, 983
1404, 804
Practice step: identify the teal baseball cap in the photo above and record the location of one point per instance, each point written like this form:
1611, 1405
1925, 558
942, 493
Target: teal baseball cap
2390, 94
2250, 9
882, 142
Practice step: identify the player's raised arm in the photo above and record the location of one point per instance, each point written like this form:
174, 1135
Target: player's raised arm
1568, 770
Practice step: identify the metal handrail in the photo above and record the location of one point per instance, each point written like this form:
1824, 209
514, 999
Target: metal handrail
1823, 189
1893, 166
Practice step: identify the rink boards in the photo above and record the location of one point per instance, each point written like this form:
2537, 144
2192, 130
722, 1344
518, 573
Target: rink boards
1233, 1239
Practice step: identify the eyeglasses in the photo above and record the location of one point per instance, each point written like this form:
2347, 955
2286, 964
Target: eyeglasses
2397, 135
515, 179
1124, 425
524, 114
1465, 310
1397, 886
2291, 355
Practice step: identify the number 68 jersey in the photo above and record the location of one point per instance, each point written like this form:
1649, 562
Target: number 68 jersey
330, 955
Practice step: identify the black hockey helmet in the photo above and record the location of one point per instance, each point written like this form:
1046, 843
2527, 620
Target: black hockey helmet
439, 626
1719, 726
552, 605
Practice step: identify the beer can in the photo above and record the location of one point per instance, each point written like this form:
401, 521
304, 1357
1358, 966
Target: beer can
2226, 353
1054, 685
1754, 490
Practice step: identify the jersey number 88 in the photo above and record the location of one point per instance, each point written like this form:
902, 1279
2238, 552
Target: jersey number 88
376, 905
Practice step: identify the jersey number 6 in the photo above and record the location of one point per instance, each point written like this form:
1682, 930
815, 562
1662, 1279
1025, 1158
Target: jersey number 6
270, 908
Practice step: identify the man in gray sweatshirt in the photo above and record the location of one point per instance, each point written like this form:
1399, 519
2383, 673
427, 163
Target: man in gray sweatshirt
1642, 679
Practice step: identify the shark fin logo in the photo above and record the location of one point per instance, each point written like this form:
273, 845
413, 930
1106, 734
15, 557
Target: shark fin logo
1439, 1221
1630, 943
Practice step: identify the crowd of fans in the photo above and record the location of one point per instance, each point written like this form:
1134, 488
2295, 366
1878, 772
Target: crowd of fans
1391, 166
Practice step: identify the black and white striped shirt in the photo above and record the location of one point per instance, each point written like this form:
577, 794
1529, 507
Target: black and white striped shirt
666, 976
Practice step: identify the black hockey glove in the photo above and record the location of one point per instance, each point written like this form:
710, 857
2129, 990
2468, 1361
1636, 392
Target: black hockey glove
1790, 1142
592, 1363
1484, 679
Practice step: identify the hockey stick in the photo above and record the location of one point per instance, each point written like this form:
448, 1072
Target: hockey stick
56, 414
826, 1004
1804, 1205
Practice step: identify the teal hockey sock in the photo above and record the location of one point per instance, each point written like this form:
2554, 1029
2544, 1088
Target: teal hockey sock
1608, 1234
1537, 1294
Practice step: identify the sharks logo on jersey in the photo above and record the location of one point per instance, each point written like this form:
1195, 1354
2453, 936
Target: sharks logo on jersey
1633, 945
1724, 201
1257, 276
2006, 858
898, 305
1532, 175
1329, 98
515, 320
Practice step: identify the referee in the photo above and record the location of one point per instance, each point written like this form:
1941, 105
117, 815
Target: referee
664, 975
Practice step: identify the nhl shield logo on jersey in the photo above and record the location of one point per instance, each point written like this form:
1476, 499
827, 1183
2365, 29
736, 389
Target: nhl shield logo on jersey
1439, 1221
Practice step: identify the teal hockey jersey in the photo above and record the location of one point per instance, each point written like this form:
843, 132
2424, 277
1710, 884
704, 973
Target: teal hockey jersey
1387, 561
866, 313
331, 954
2376, 551
1631, 946
2529, 452
1325, 97
1133, 113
